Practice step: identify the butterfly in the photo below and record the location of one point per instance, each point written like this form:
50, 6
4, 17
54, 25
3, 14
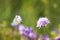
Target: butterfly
17, 20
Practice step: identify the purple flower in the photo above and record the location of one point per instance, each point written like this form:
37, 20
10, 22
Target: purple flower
45, 37
57, 38
55, 29
12, 24
42, 22
33, 35
28, 30
21, 29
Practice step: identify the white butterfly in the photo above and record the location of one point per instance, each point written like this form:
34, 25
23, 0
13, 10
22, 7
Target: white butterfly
17, 20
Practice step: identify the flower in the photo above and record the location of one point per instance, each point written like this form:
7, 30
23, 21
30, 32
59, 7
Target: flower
57, 38
46, 37
13, 24
33, 36
21, 29
17, 20
28, 30
42, 22
55, 29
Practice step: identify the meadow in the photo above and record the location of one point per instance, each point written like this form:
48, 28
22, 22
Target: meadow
30, 11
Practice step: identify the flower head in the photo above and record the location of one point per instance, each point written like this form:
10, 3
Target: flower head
45, 37
42, 22
33, 35
17, 20
13, 24
28, 30
21, 29
55, 29
57, 38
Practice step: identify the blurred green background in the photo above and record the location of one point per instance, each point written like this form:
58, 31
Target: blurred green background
30, 11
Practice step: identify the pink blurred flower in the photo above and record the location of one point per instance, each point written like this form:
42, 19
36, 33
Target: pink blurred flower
44, 37
57, 38
43, 21
21, 29
33, 36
